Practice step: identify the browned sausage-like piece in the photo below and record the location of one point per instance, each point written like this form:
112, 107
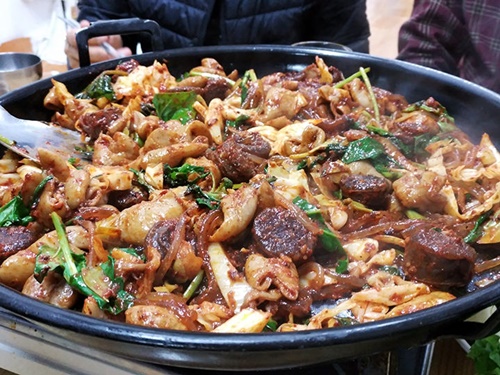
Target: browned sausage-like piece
14, 239
370, 190
94, 123
241, 156
439, 259
278, 232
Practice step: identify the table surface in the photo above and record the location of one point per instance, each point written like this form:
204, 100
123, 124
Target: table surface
448, 358
23, 355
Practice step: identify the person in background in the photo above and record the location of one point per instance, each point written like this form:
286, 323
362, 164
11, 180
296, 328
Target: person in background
187, 23
460, 37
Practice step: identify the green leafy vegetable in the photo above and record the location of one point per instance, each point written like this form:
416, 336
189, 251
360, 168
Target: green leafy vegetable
379, 131
486, 355
14, 212
86, 152
175, 106
337, 194
183, 76
47, 260
331, 148
412, 214
188, 175
404, 148
147, 109
393, 270
271, 326
7, 141
346, 321
98, 282
184, 175
421, 142
336, 148
212, 198
328, 239
39, 189
141, 180
132, 251
205, 199
137, 139
248, 76
342, 266
236, 123
302, 164
370, 149
445, 121
476, 232
362, 149
100, 87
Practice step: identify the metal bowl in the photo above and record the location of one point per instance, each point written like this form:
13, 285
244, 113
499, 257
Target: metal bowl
18, 69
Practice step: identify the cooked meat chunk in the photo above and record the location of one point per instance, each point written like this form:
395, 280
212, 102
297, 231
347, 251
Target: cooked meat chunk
14, 239
241, 156
213, 88
420, 123
439, 259
94, 123
128, 66
123, 199
416, 123
370, 190
278, 232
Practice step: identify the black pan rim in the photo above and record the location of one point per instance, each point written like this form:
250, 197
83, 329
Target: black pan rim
454, 311
430, 319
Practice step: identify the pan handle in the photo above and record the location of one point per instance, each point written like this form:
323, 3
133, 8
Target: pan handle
470, 330
117, 27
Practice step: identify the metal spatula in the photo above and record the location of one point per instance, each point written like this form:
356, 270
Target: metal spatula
24, 137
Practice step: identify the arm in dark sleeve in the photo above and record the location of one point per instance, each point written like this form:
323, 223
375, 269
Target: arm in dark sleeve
180, 21
434, 36
100, 10
341, 21
95, 10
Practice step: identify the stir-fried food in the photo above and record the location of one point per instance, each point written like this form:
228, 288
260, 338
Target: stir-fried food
227, 202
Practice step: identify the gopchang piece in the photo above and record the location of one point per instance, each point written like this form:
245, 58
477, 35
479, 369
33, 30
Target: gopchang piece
226, 202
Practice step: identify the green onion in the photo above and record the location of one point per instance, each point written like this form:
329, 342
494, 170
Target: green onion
352, 77
193, 285
372, 95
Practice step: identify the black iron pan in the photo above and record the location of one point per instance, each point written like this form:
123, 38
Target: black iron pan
476, 110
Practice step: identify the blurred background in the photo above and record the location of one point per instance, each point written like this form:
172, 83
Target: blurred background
34, 26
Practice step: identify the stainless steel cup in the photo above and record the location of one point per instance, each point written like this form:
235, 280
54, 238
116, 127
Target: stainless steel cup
18, 69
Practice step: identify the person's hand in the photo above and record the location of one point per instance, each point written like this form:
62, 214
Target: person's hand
96, 51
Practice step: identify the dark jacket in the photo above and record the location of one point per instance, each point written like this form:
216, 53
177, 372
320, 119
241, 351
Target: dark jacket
209, 22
